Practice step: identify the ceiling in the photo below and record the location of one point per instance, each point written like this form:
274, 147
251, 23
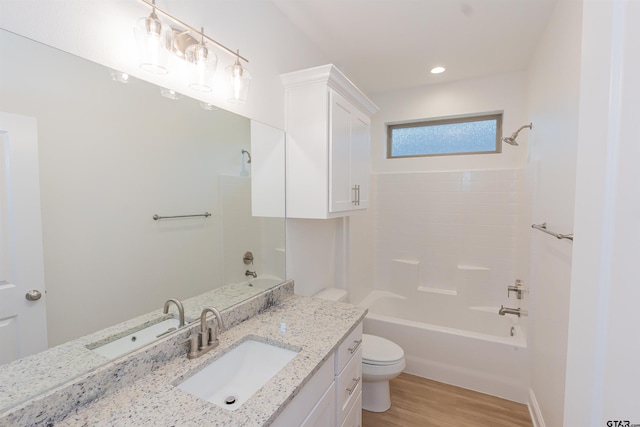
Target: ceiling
391, 44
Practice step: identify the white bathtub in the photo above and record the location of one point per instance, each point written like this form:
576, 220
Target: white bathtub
467, 347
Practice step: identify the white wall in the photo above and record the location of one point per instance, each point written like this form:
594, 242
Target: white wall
603, 372
553, 103
505, 92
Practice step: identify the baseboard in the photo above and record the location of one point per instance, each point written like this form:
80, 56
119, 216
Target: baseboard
534, 410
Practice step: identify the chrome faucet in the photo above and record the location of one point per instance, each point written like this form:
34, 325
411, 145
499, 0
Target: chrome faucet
251, 273
207, 339
180, 309
506, 310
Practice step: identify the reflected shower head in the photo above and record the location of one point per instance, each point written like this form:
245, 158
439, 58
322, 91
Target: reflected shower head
248, 155
511, 140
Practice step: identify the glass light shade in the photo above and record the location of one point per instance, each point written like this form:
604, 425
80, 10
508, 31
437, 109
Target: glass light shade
207, 106
119, 76
170, 93
202, 65
153, 38
238, 79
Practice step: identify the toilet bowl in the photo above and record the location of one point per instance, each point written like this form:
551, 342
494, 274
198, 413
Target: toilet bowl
382, 360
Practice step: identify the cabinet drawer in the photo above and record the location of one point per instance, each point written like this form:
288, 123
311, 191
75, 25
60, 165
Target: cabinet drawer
348, 348
348, 386
354, 417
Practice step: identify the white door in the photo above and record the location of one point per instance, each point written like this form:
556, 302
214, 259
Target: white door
23, 329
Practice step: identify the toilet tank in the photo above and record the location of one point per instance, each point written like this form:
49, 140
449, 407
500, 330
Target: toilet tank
332, 294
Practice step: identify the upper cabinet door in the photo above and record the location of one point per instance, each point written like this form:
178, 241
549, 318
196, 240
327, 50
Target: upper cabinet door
327, 122
349, 148
342, 195
361, 157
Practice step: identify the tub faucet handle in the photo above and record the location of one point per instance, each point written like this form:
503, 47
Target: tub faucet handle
518, 288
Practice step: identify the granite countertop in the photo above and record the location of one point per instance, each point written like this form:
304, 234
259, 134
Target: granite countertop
314, 326
72, 359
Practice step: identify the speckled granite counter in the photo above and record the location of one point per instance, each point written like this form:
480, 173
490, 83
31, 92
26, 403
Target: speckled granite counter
314, 326
33, 375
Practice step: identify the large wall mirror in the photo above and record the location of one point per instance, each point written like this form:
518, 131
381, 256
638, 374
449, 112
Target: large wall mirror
113, 155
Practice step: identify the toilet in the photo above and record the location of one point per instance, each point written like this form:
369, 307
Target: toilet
382, 360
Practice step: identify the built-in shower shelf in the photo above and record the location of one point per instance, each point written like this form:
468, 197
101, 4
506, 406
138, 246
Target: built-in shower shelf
440, 291
406, 261
472, 268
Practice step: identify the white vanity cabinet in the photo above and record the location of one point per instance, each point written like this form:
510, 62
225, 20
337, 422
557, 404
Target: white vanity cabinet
327, 124
333, 396
348, 373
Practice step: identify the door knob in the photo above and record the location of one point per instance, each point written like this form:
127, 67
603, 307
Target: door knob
33, 295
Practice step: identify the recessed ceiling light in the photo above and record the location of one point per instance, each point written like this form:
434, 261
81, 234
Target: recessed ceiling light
437, 70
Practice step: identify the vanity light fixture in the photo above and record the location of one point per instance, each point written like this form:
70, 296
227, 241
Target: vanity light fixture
202, 65
158, 41
207, 106
170, 93
119, 76
239, 79
153, 38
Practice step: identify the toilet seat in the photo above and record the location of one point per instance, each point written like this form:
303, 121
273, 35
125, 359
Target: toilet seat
379, 351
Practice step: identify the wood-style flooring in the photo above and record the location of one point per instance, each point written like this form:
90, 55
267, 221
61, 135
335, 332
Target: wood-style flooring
420, 402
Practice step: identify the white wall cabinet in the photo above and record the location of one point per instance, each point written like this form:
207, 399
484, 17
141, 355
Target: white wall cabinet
327, 123
333, 396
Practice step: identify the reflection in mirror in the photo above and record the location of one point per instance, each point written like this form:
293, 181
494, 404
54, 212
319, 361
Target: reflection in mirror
110, 156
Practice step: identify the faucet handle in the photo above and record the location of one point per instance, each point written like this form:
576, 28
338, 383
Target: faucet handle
193, 346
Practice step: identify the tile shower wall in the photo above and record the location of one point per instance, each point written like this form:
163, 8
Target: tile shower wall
455, 233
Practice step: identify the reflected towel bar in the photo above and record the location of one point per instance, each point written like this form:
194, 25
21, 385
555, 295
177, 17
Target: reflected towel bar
157, 217
543, 227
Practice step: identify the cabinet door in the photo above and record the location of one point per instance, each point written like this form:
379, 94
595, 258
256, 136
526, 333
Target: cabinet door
341, 194
360, 158
324, 413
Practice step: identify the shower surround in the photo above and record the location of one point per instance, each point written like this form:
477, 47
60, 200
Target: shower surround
447, 245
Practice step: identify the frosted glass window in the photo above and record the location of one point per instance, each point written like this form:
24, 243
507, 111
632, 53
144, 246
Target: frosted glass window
464, 135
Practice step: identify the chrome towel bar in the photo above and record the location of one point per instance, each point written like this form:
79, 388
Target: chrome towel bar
543, 227
157, 217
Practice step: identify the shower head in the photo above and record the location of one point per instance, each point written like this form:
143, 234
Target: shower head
511, 140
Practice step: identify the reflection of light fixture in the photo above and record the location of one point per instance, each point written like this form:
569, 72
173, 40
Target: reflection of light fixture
170, 93
207, 106
202, 63
154, 39
239, 79
119, 76
157, 42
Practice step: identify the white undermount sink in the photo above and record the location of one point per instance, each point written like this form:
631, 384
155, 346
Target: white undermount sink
137, 339
232, 379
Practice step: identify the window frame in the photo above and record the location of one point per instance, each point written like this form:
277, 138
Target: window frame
497, 116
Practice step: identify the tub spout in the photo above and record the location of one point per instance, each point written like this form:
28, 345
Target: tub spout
506, 310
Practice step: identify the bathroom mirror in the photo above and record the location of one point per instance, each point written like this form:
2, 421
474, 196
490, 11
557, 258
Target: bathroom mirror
113, 155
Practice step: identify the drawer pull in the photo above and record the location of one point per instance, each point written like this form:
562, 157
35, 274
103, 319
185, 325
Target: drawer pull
355, 347
355, 384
